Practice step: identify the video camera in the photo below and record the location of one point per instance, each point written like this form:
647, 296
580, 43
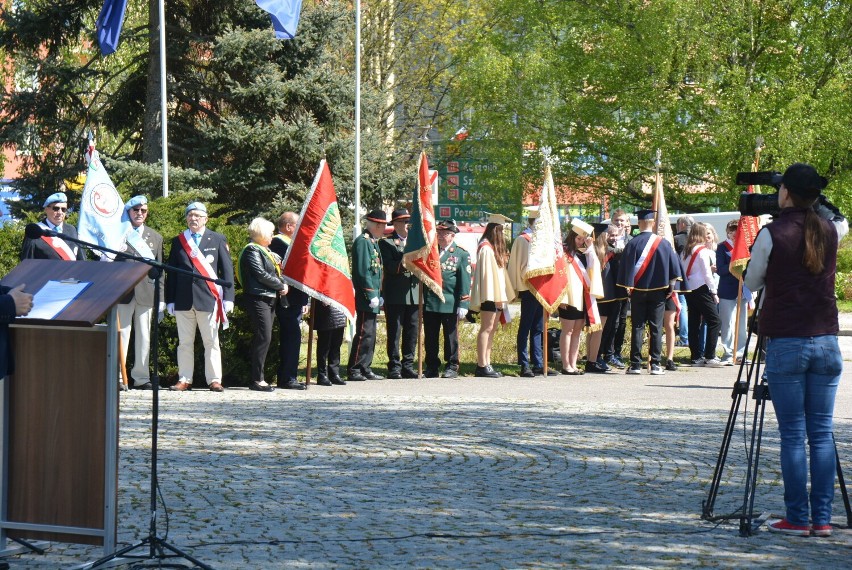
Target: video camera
759, 204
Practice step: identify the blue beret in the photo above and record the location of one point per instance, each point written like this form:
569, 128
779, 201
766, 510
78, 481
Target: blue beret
135, 201
195, 206
54, 198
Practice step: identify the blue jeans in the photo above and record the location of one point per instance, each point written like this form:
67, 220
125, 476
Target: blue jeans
530, 328
803, 374
683, 319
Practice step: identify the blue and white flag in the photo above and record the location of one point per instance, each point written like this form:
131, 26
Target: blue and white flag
102, 219
109, 25
285, 16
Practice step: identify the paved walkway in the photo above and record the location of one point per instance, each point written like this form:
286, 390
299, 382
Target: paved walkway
593, 471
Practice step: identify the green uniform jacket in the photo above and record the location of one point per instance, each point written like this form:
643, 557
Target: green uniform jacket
400, 286
366, 271
455, 270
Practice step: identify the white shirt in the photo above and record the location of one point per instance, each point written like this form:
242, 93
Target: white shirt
702, 271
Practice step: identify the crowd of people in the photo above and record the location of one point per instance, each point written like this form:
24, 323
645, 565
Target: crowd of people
684, 290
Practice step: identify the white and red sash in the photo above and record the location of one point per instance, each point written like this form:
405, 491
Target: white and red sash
203, 267
645, 258
692, 259
592, 313
58, 245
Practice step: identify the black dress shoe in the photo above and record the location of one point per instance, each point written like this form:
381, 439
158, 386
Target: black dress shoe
373, 376
550, 371
526, 372
410, 374
258, 387
356, 377
292, 385
323, 381
431, 374
395, 375
337, 380
486, 372
145, 386
450, 373
595, 368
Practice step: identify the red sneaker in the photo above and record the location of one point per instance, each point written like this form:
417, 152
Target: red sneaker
784, 526
821, 530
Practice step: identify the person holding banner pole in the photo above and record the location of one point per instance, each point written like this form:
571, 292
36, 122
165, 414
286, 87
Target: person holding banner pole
136, 310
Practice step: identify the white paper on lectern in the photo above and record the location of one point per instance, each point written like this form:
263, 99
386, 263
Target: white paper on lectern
54, 297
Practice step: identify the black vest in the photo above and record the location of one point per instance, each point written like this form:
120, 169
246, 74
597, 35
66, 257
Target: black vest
797, 303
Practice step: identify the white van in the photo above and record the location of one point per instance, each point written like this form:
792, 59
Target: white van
719, 220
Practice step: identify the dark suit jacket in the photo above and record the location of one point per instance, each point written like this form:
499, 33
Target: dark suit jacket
366, 272
38, 249
399, 286
187, 293
7, 315
144, 290
295, 297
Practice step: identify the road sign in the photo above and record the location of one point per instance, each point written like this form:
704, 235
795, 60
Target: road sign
475, 212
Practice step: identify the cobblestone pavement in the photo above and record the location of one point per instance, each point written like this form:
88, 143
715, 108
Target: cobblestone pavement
593, 471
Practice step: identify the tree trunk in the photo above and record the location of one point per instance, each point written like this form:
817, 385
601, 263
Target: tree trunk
151, 135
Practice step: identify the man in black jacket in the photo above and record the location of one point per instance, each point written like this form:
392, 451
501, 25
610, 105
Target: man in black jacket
289, 311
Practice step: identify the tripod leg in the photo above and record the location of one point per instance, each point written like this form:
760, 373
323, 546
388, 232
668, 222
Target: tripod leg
843, 492
761, 395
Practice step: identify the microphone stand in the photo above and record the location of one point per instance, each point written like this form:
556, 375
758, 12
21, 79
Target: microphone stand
157, 547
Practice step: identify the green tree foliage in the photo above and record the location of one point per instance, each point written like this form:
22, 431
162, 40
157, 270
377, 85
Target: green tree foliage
607, 83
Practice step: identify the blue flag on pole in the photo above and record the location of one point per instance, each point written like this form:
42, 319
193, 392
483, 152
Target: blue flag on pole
109, 25
285, 16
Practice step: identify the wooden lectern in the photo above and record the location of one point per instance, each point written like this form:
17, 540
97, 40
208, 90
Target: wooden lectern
59, 431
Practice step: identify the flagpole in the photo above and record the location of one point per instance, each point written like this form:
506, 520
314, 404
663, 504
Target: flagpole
164, 128
310, 342
356, 225
544, 338
419, 329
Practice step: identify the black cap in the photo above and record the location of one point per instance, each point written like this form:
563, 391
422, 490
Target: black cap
803, 180
645, 214
600, 228
449, 225
378, 216
399, 214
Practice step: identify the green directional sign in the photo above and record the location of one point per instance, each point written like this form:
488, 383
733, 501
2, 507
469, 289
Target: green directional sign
467, 183
475, 212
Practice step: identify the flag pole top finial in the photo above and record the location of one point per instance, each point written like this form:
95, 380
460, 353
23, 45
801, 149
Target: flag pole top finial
758, 143
658, 162
547, 153
424, 138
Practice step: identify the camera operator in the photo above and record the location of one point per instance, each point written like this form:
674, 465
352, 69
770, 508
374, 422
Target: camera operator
794, 259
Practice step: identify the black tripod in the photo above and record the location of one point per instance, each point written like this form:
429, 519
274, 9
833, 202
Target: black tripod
747, 373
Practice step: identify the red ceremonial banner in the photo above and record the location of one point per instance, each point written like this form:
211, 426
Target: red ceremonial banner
316, 261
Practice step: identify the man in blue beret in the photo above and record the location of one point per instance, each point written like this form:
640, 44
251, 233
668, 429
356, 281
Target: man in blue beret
137, 308
44, 247
197, 302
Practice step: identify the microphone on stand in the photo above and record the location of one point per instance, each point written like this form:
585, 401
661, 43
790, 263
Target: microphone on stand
35, 231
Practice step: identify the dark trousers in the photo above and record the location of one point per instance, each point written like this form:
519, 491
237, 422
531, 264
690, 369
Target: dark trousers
328, 353
363, 343
700, 303
432, 323
614, 330
401, 320
289, 342
261, 313
530, 328
647, 307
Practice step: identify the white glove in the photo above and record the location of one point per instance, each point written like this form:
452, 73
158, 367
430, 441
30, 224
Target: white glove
229, 306
171, 309
375, 302
381, 301
285, 290
462, 312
